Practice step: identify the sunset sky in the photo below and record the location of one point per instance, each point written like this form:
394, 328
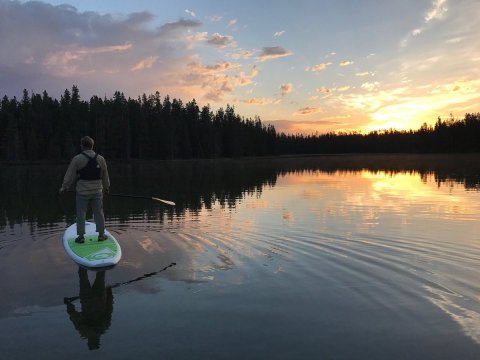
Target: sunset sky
303, 65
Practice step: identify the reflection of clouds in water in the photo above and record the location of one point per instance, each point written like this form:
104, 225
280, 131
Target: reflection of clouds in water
258, 204
370, 219
312, 194
216, 243
287, 215
375, 193
468, 319
225, 263
400, 191
150, 246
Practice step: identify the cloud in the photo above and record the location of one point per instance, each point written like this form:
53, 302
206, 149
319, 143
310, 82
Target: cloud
329, 92
258, 101
191, 13
179, 25
307, 111
455, 40
323, 90
67, 62
61, 46
370, 86
244, 79
145, 63
364, 73
241, 54
197, 37
408, 107
346, 62
220, 40
438, 10
421, 64
222, 66
416, 32
218, 80
214, 18
279, 33
286, 88
232, 22
52, 47
274, 52
318, 67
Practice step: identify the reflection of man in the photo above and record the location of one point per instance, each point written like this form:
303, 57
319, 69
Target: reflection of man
97, 306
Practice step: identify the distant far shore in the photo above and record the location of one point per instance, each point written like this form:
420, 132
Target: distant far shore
368, 157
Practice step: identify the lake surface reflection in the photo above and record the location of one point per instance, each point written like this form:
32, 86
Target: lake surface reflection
335, 257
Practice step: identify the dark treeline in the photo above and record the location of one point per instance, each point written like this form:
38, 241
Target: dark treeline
450, 136
41, 128
38, 127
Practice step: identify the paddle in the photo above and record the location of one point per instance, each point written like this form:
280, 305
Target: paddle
144, 197
144, 276
168, 202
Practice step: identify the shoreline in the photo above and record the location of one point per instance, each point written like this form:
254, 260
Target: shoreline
249, 158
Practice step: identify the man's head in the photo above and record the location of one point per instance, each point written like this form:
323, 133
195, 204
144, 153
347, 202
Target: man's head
87, 143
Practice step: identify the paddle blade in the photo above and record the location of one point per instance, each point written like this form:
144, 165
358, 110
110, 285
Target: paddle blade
164, 201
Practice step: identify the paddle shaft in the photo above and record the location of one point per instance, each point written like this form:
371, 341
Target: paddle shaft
168, 202
143, 197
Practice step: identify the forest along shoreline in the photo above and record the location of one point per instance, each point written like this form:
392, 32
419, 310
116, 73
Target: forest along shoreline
39, 127
399, 161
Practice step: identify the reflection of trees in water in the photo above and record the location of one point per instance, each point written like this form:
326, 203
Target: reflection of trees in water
29, 193
470, 181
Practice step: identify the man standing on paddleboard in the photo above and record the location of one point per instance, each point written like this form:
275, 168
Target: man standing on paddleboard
89, 171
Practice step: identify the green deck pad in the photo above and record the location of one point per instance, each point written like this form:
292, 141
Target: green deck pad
92, 249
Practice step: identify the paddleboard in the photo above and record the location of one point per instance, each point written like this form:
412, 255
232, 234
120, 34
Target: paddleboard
92, 253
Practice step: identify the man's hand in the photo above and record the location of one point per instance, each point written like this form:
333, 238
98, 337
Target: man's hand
62, 191
106, 191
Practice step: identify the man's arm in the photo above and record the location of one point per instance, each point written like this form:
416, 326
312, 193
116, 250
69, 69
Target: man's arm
105, 177
70, 176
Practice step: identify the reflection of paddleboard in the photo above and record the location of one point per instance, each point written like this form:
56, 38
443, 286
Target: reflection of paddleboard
92, 253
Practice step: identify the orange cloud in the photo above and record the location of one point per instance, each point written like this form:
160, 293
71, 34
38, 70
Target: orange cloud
217, 80
257, 101
408, 107
244, 54
318, 67
286, 88
346, 62
208, 69
307, 111
145, 63
323, 90
65, 62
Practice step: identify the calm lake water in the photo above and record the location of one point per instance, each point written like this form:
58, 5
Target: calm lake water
335, 257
